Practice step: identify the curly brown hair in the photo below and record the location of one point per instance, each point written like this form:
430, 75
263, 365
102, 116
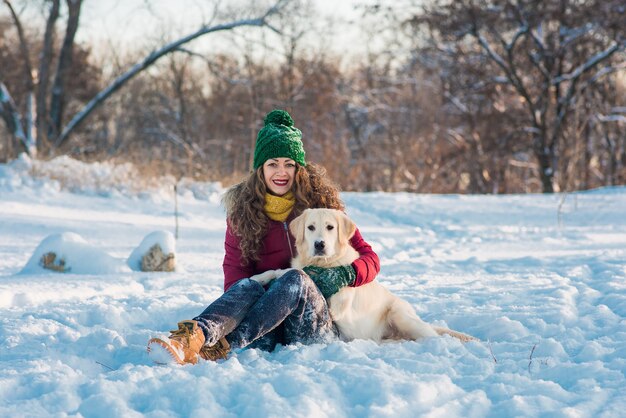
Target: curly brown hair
244, 203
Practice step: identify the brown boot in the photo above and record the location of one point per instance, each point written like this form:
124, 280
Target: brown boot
182, 346
217, 351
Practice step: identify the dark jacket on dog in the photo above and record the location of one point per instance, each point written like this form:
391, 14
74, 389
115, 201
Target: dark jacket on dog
277, 250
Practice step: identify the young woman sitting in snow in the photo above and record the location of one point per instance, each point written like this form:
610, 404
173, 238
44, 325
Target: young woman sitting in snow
292, 308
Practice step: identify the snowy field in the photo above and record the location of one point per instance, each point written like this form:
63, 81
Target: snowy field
540, 280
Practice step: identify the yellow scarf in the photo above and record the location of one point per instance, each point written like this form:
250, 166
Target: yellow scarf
278, 208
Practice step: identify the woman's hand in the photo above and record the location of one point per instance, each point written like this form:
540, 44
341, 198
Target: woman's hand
264, 278
267, 276
331, 280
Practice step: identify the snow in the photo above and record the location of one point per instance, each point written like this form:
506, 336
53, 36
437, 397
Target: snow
77, 254
539, 279
163, 239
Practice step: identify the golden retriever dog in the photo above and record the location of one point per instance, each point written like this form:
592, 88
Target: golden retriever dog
365, 312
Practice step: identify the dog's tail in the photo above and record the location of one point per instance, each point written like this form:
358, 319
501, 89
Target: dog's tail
456, 334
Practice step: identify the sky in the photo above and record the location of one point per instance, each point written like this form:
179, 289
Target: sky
123, 31
145, 22
539, 279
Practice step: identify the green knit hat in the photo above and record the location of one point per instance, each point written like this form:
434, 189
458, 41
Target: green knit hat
278, 138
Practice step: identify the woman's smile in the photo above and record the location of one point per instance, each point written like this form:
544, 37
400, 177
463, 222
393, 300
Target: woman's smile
279, 174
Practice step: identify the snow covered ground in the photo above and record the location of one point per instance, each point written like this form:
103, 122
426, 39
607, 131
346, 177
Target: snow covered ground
541, 280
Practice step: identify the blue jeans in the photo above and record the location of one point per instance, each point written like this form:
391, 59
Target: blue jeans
291, 310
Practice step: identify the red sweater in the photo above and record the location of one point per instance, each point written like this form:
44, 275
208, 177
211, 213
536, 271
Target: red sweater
277, 250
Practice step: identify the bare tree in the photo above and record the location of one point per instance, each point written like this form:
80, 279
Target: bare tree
547, 52
49, 121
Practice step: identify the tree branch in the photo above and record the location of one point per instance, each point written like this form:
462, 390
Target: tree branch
151, 59
589, 64
610, 69
510, 72
538, 43
11, 116
573, 77
27, 130
523, 30
24, 49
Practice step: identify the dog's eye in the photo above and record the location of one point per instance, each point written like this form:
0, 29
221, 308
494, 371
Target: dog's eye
330, 227
311, 228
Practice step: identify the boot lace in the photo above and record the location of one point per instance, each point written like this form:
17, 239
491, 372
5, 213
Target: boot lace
183, 332
216, 351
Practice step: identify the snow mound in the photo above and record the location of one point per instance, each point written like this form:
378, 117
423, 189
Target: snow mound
73, 254
164, 239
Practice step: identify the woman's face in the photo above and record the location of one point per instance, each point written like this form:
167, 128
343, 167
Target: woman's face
279, 174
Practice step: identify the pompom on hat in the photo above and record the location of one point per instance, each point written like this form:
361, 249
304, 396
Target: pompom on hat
279, 138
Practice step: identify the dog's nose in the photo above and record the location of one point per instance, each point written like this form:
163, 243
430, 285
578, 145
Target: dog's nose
319, 246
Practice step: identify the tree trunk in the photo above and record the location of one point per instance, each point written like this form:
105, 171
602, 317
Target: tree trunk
11, 116
29, 144
612, 156
546, 171
57, 100
44, 75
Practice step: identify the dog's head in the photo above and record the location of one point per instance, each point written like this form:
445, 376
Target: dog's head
322, 233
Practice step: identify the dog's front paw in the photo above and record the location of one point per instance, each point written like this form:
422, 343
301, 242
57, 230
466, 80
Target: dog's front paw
265, 277
282, 272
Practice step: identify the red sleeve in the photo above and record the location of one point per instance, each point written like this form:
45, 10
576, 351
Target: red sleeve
367, 265
233, 268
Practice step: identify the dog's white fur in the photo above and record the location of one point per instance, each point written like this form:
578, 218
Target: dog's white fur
369, 311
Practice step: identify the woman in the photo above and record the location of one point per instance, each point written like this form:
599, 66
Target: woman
293, 307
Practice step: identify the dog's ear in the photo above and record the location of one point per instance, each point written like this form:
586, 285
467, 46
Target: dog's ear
297, 228
347, 228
